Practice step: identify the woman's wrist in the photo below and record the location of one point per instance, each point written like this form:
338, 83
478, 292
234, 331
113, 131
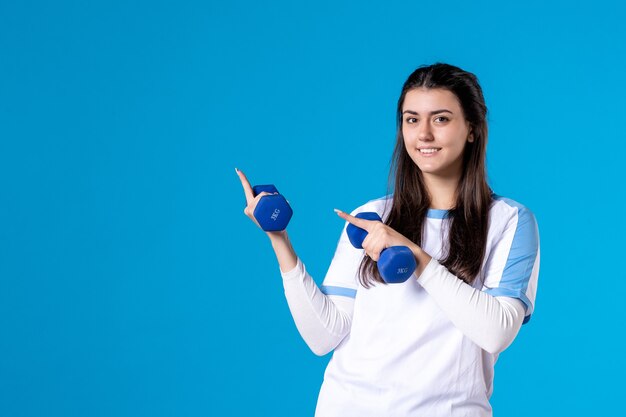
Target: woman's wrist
421, 258
285, 255
277, 236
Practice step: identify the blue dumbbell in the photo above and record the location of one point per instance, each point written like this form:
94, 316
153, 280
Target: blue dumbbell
272, 211
395, 264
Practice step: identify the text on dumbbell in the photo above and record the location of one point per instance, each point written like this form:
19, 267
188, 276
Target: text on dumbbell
275, 214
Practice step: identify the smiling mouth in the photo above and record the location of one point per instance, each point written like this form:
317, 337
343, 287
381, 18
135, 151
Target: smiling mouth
429, 151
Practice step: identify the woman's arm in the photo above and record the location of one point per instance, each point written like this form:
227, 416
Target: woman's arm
491, 317
490, 322
322, 320
285, 255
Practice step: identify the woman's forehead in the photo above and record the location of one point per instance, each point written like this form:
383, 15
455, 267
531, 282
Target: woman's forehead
428, 99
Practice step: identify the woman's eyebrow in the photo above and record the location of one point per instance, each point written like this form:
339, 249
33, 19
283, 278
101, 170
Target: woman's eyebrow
431, 113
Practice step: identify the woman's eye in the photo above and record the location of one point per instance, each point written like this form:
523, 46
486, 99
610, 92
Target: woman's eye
411, 119
442, 118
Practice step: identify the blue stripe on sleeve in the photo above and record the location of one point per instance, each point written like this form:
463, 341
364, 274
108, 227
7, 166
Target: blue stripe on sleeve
330, 290
505, 292
521, 259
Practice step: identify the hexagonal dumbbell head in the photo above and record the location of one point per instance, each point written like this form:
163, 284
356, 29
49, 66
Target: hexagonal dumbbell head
272, 211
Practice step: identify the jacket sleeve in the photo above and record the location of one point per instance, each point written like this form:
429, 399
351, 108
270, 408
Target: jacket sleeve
323, 315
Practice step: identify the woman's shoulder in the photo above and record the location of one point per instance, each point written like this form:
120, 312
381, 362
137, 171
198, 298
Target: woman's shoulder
500, 201
505, 208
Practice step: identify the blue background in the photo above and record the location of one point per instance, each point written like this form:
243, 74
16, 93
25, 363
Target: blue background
132, 284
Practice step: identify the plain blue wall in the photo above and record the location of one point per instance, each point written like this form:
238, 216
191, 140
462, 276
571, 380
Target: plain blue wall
132, 284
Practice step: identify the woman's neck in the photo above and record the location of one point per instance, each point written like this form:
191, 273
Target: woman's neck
442, 191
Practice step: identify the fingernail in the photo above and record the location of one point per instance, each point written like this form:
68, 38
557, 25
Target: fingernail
337, 211
236, 170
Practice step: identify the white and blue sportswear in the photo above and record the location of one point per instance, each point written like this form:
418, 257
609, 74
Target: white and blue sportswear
427, 346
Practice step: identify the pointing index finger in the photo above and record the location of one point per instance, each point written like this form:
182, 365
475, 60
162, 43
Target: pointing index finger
247, 188
362, 223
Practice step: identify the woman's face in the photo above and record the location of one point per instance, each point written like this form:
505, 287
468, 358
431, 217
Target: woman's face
433, 119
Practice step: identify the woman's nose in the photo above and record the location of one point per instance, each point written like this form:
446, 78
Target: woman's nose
424, 132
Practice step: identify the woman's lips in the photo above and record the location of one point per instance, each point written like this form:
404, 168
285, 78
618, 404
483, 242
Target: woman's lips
429, 154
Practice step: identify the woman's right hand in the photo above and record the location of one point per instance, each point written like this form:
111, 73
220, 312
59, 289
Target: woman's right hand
286, 256
252, 200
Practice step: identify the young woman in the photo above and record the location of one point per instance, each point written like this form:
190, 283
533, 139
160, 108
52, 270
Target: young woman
425, 347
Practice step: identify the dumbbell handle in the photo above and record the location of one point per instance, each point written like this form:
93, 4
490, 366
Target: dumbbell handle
395, 264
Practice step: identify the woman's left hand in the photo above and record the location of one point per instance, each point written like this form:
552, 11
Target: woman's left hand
379, 236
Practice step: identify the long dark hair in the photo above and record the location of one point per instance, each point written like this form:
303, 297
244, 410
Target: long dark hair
410, 203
